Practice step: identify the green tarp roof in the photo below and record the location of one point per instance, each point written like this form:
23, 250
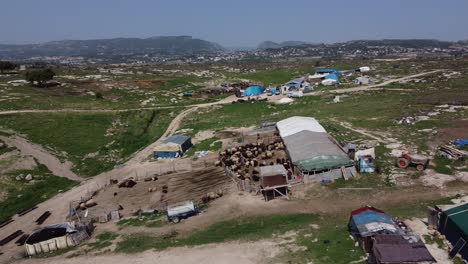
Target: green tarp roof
459, 216
323, 162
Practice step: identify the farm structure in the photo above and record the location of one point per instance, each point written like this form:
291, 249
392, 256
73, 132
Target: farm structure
386, 240
173, 147
314, 154
452, 222
274, 181
55, 237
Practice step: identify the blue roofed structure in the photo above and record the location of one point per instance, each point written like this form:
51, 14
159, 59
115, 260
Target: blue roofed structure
296, 82
324, 70
173, 147
332, 76
370, 222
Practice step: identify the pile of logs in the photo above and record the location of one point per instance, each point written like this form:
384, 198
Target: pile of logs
241, 159
451, 152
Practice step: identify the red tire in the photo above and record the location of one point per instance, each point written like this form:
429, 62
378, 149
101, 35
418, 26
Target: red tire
403, 163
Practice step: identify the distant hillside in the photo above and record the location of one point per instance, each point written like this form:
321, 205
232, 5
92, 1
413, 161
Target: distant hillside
176, 45
403, 43
274, 45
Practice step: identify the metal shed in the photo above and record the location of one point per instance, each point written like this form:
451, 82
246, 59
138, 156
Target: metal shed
173, 147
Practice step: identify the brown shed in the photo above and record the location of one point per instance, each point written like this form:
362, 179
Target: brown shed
274, 181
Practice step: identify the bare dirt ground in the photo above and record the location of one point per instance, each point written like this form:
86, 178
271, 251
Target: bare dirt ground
192, 185
225, 253
43, 156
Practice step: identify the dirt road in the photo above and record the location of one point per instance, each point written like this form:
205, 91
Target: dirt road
224, 253
369, 87
58, 168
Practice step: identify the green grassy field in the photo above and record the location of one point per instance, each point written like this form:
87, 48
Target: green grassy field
93, 142
23, 195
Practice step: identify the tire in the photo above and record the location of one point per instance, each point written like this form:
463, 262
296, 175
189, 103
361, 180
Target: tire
420, 167
175, 220
402, 163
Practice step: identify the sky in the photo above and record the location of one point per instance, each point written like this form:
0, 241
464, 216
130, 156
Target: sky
232, 23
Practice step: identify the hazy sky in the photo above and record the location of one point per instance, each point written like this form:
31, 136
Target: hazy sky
233, 22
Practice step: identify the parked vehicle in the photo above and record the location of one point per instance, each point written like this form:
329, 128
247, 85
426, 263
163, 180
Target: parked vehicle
295, 94
179, 211
418, 161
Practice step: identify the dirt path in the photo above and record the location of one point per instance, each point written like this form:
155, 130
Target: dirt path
361, 131
58, 168
224, 253
369, 87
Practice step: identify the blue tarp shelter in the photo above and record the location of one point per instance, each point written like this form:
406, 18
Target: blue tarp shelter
253, 90
325, 70
368, 222
332, 76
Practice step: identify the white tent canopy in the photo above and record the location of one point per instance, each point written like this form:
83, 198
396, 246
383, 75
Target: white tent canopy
296, 124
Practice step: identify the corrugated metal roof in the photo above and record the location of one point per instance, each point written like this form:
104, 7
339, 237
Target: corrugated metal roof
395, 249
295, 124
272, 170
306, 145
177, 139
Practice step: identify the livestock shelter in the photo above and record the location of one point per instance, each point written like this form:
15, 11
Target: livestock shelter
253, 90
366, 222
55, 237
173, 147
315, 155
453, 223
390, 249
274, 181
296, 83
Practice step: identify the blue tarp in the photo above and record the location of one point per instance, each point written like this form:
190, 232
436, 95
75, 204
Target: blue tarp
253, 91
359, 221
461, 142
332, 76
273, 90
327, 70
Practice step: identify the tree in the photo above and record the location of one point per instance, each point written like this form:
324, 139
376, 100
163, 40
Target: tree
40, 76
6, 66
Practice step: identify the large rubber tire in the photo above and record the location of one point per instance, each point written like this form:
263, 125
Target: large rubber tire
175, 220
420, 167
402, 163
